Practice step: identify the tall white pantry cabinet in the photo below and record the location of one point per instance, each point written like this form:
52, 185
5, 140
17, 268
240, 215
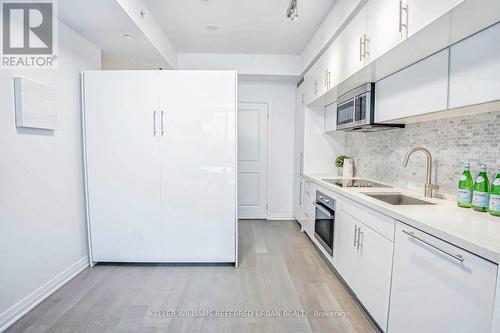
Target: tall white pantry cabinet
160, 157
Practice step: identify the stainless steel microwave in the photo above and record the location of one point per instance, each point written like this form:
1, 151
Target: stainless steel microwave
356, 111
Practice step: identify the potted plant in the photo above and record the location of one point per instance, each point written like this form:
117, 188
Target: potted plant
339, 163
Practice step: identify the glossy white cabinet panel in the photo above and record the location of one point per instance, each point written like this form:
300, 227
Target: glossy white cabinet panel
349, 49
363, 258
423, 12
198, 156
374, 270
161, 165
123, 165
298, 163
437, 287
419, 89
383, 21
345, 258
298, 166
475, 69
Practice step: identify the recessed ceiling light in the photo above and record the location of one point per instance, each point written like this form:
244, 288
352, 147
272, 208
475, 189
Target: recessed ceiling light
128, 37
211, 27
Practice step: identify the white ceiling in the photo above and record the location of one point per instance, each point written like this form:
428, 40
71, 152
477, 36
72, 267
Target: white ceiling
245, 26
104, 22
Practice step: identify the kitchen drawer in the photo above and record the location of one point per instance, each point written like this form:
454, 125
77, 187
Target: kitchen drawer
380, 223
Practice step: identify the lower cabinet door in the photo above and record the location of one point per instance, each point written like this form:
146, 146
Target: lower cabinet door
437, 287
345, 257
375, 268
363, 258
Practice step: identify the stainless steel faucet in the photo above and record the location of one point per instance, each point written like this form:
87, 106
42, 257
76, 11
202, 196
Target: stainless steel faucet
429, 187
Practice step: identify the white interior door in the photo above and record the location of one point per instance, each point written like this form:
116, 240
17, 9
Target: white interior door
252, 160
198, 165
123, 165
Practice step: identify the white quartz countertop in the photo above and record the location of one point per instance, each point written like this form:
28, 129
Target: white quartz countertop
476, 232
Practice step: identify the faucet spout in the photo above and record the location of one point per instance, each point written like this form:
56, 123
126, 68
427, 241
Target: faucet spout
429, 187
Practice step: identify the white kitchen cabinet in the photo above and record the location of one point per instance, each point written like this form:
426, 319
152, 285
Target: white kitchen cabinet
475, 69
363, 258
331, 117
298, 164
384, 20
316, 80
421, 13
123, 165
161, 165
437, 287
197, 149
345, 256
419, 89
349, 47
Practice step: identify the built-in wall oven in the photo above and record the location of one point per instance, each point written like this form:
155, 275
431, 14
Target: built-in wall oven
324, 224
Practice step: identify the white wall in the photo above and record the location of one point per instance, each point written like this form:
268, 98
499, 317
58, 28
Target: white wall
42, 217
340, 14
245, 64
281, 99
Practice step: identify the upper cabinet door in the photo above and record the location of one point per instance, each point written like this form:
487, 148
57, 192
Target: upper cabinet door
475, 69
350, 48
421, 13
198, 165
384, 26
419, 89
123, 165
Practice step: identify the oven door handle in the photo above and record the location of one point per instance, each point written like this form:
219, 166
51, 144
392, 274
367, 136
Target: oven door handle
322, 209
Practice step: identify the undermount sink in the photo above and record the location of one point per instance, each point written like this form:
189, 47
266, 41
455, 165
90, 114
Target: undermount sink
397, 199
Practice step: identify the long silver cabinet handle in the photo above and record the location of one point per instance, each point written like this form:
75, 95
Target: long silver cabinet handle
355, 235
301, 166
161, 123
360, 235
454, 256
323, 210
360, 48
401, 9
154, 123
366, 40
300, 194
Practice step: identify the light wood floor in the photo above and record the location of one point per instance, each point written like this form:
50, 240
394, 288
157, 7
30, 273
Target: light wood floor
280, 270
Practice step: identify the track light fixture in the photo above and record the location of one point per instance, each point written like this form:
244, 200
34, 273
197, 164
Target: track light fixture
293, 10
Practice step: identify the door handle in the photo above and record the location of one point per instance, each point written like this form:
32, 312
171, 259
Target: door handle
154, 123
365, 46
355, 235
360, 234
454, 256
301, 166
300, 194
401, 9
161, 123
360, 48
322, 209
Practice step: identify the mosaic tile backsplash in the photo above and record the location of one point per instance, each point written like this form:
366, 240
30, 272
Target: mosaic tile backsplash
453, 141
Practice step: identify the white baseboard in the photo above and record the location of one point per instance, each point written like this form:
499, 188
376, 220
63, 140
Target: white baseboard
14, 313
281, 218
